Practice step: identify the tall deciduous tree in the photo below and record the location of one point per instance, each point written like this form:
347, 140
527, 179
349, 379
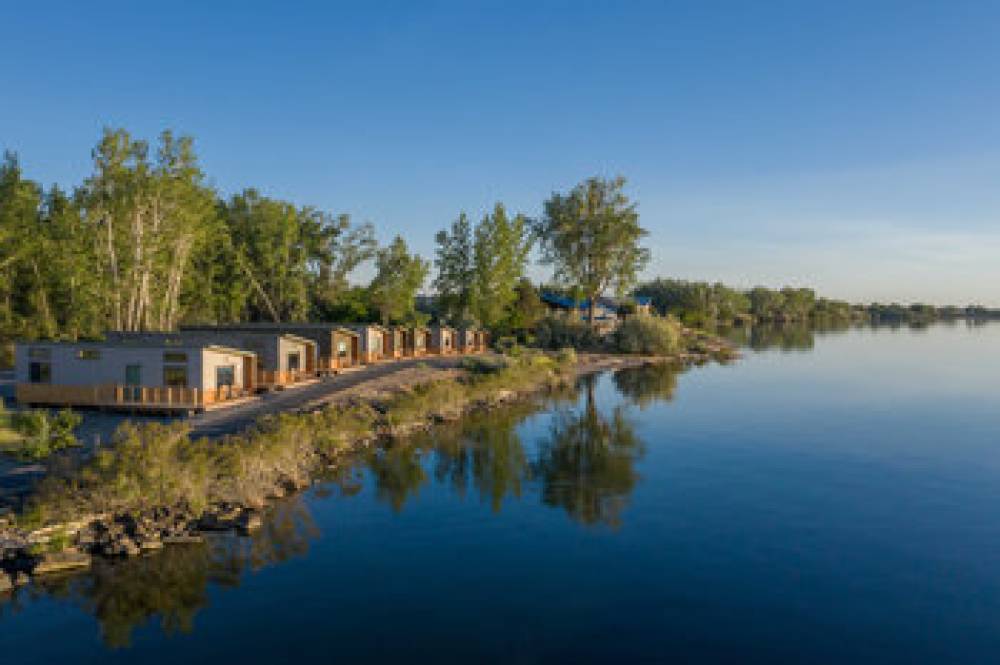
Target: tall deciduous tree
150, 217
399, 275
500, 255
293, 262
591, 238
454, 262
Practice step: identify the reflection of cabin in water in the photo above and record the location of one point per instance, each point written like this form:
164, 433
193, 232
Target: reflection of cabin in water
337, 347
138, 374
283, 359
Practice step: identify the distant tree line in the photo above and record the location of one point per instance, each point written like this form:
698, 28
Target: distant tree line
709, 304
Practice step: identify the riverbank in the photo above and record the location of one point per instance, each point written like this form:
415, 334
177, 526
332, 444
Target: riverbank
158, 486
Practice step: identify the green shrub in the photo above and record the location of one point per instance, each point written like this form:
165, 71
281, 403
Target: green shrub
59, 541
566, 356
505, 344
648, 335
482, 365
43, 434
559, 333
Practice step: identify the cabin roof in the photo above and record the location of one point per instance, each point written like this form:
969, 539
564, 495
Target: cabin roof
346, 331
209, 331
566, 302
364, 326
124, 343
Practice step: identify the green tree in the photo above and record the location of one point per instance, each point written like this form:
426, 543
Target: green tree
150, 216
591, 237
347, 248
500, 255
527, 308
399, 275
454, 261
293, 262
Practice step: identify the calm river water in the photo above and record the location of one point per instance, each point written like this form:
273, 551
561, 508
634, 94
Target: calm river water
831, 498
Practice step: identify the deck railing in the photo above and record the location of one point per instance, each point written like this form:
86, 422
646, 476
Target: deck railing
326, 364
267, 378
118, 395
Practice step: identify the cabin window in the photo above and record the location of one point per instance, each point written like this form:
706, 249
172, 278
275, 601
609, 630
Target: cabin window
293, 362
40, 354
342, 349
377, 346
175, 357
133, 375
88, 354
225, 376
40, 372
174, 376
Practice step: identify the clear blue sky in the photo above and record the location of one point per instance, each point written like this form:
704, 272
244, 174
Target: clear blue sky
853, 146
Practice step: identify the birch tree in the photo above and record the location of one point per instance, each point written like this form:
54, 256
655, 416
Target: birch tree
150, 217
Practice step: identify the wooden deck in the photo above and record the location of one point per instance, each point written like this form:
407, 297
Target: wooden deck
128, 398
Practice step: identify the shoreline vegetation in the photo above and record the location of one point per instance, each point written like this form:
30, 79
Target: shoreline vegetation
706, 304
157, 486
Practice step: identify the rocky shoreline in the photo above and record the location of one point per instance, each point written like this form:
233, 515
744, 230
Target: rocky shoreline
72, 546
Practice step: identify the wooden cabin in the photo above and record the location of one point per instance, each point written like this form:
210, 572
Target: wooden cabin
395, 342
337, 346
135, 375
415, 344
284, 359
372, 342
346, 349
442, 340
482, 341
465, 340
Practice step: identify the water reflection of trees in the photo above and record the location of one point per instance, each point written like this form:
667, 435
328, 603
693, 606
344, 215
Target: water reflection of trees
587, 464
584, 465
488, 455
645, 385
172, 586
786, 337
398, 473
